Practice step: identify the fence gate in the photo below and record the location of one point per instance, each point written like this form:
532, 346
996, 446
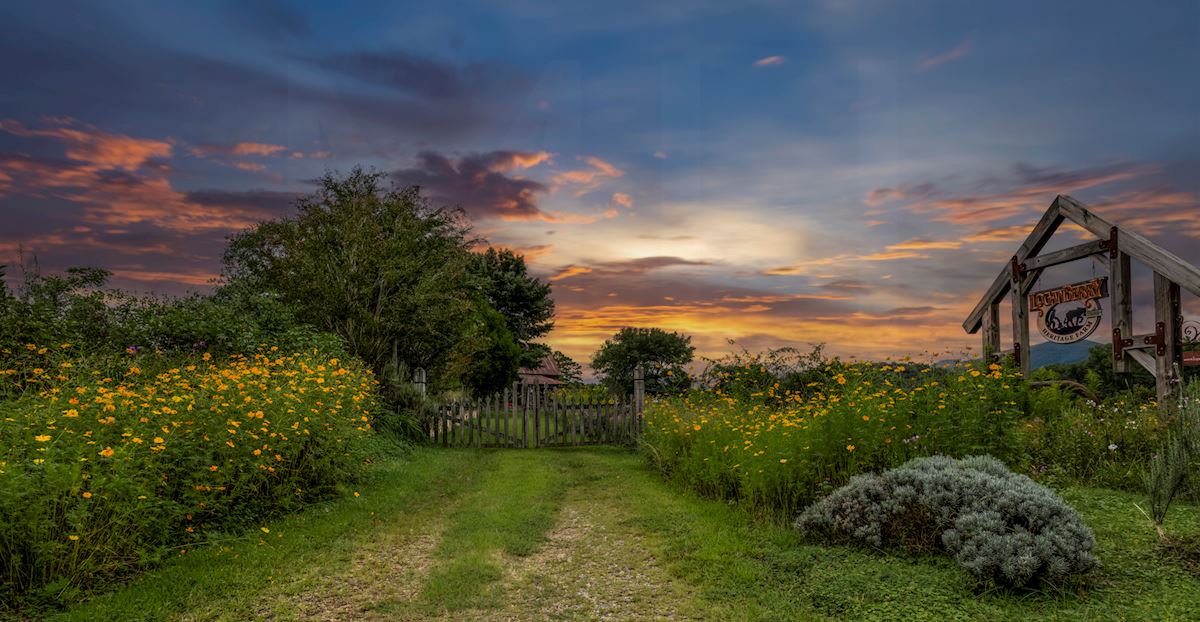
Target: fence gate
541, 416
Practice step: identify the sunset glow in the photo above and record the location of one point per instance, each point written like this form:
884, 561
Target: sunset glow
847, 173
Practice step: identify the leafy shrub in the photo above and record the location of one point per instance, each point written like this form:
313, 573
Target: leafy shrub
100, 474
780, 450
998, 525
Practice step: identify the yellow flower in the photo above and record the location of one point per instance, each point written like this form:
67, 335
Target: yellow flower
72, 538
87, 495
356, 493
265, 530
212, 468
159, 440
849, 447
107, 452
42, 438
696, 426
783, 461
71, 412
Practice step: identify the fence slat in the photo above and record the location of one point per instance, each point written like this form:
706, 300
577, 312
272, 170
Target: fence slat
491, 409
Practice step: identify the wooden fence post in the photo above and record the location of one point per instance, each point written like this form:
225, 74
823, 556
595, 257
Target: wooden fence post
639, 388
525, 423
419, 380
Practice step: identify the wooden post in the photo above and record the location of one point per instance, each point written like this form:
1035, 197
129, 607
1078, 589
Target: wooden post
525, 423
1122, 306
639, 387
419, 379
537, 416
1167, 319
991, 331
1020, 318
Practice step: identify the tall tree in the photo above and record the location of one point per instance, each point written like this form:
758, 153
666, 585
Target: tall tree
523, 300
374, 264
572, 372
661, 354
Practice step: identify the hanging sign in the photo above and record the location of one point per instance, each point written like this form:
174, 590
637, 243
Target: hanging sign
1069, 313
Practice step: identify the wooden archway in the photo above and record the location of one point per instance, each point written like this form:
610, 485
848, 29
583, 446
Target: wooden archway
1115, 248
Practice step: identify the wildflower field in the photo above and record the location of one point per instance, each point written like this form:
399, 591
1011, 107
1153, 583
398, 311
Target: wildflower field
779, 448
104, 471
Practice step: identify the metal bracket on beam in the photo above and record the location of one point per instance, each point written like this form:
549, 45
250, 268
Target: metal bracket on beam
1017, 270
1111, 244
1120, 344
1016, 354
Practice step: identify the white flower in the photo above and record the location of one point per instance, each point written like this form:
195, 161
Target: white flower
1112, 447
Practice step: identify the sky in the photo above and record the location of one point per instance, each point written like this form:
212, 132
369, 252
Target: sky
758, 174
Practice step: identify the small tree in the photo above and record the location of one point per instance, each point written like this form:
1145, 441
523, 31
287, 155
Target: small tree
662, 354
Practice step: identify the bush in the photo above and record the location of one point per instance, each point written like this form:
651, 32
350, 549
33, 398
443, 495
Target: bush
101, 474
998, 525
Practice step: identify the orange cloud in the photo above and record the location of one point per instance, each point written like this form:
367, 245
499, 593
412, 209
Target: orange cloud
250, 166
256, 149
587, 178
622, 199
829, 261
189, 278
783, 298
569, 272
96, 149
920, 245
119, 180
1013, 233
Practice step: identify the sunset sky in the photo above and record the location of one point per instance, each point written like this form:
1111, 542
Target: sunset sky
853, 172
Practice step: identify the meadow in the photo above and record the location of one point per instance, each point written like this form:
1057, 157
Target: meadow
777, 447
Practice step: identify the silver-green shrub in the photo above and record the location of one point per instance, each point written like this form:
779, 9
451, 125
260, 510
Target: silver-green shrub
997, 524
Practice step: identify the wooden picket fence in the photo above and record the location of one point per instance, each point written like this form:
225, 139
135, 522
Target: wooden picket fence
541, 416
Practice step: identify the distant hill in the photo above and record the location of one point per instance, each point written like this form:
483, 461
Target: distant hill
1049, 353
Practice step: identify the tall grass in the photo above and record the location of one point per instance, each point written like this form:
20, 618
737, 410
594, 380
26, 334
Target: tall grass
779, 449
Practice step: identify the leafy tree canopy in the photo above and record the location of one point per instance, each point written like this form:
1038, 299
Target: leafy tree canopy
522, 300
376, 265
662, 354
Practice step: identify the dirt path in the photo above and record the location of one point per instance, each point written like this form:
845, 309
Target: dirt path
591, 563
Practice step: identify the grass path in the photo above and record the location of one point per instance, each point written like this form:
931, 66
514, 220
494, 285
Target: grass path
592, 535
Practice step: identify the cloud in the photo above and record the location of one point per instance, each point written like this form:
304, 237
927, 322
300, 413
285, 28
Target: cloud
421, 76
93, 149
919, 245
622, 199
769, 61
1014, 233
807, 266
668, 238
118, 180
587, 179
1027, 189
956, 53
776, 298
480, 183
257, 149
569, 272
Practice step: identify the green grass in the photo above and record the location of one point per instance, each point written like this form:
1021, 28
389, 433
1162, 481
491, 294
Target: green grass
592, 533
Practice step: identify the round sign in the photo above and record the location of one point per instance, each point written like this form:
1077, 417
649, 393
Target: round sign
1069, 322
